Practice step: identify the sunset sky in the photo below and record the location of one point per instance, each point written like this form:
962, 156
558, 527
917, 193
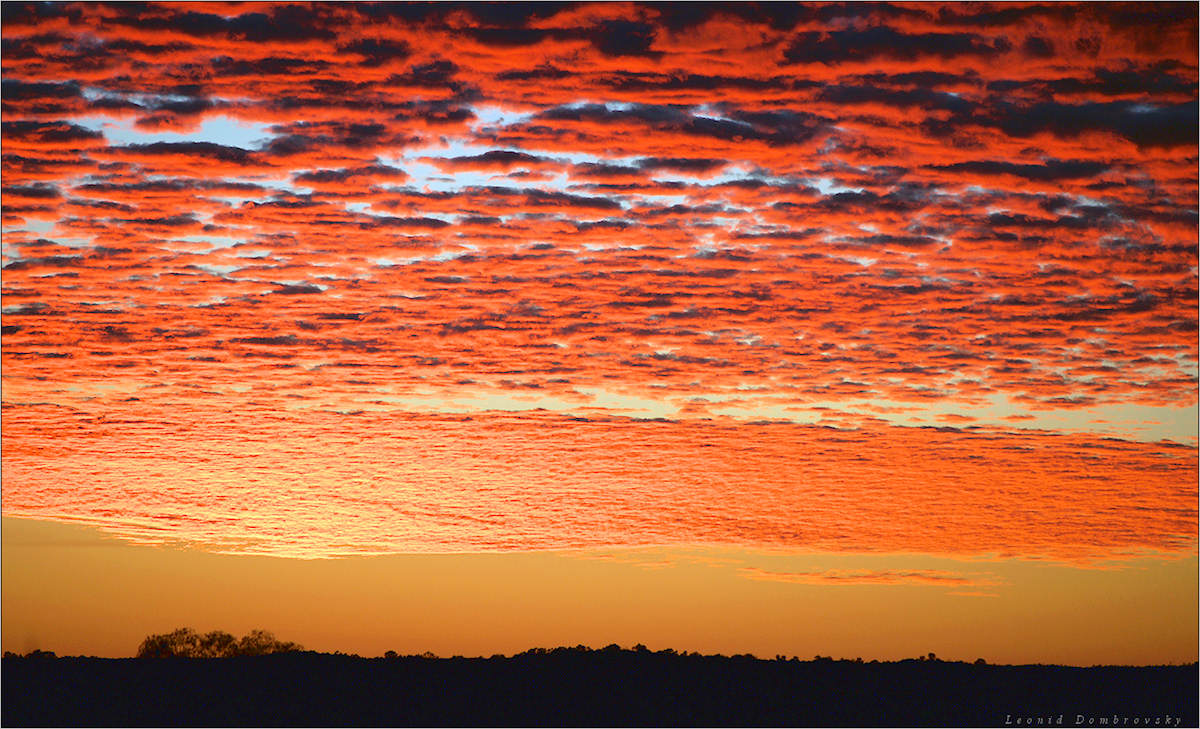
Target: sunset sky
853, 329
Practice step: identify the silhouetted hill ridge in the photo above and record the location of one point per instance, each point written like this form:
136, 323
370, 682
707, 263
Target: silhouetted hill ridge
583, 687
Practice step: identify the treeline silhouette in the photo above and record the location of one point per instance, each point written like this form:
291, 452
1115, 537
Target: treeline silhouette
187, 643
284, 685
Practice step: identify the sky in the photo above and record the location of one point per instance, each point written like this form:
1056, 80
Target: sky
797, 304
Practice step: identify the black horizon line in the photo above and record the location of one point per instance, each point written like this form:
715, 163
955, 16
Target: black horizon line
611, 650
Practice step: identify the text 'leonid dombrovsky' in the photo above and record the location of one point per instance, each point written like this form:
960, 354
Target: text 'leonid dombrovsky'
1084, 720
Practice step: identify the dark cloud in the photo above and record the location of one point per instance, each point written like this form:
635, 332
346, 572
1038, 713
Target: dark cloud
1144, 124
1148, 17
920, 79
303, 137
39, 191
840, 46
630, 81
33, 14
557, 199
16, 90
1048, 171
601, 170
625, 38
46, 262
1038, 47
61, 132
899, 241
168, 221
1159, 80
541, 73
185, 107
850, 201
991, 16
340, 316
116, 333
376, 52
680, 164
386, 221
199, 150
649, 113
514, 15
923, 98
775, 127
227, 66
294, 289
286, 23
282, 340
512, 37
435, 73
677, 17
1147, 125
1077, 222
170, 185
603, 225
374, 172
494, 158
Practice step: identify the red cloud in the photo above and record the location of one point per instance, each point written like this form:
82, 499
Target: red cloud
768, 208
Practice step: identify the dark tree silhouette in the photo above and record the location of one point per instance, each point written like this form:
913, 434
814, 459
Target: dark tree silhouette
187, 643
261, 642
568, 687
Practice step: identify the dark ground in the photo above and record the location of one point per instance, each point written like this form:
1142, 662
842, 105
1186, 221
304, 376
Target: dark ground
569, 687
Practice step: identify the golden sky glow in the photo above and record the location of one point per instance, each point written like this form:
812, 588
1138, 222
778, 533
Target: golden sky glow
349, 279
69, 589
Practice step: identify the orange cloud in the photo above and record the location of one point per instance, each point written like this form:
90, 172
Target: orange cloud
869, 577
701, 209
